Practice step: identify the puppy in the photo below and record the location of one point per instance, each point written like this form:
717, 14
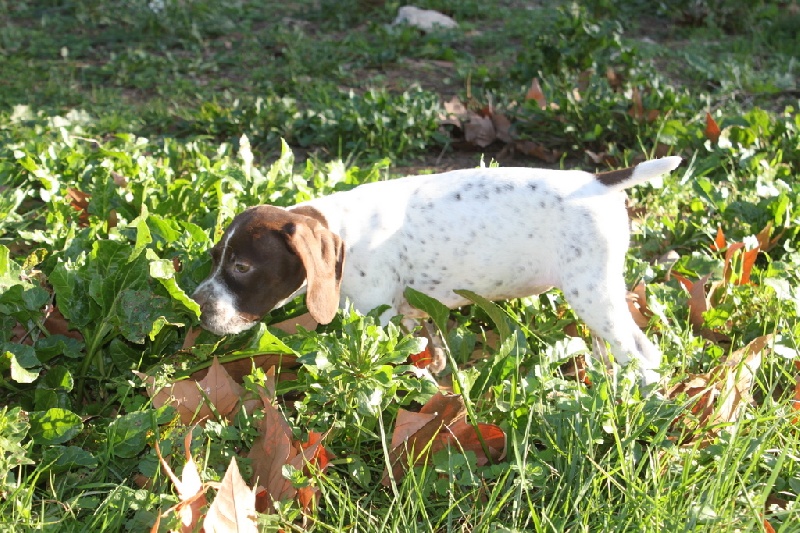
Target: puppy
499, 232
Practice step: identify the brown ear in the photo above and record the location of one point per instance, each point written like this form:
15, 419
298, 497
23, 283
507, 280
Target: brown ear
322, 254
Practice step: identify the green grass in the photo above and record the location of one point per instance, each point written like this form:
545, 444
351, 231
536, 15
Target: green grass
151, 112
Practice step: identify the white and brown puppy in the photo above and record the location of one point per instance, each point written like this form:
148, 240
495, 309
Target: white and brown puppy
499, 232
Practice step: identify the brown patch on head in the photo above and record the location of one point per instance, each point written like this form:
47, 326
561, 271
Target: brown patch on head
615, 177
271, 251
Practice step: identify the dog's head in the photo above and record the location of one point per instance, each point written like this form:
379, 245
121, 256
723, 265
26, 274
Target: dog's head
264, 258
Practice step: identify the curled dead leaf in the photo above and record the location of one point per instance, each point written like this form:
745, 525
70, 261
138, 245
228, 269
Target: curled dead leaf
712, 130
479, 130
536, 94
716, 396
271, 450
234, 507
637, 305
189, 486
462, 436
537, 150
414, 432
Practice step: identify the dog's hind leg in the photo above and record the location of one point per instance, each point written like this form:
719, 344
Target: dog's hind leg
602, 306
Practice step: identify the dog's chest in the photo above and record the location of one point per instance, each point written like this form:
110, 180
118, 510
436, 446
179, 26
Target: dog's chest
496, 232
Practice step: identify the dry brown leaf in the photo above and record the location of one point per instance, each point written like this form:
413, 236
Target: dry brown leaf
766, 241
537, 150
614, 78
748, 260
602, 158
712, 131
699, 303
56, 324
119, 180
313, 453
718, 394
220, 389
234, 508
637, 305
183, 395
479, 130
462, 436
271, 450
239, 368
575, 367
454, 107
414, 432
191, 336
719, 243
638, 111
189, 487
79, 201
306, 321
502, 127
536, 94
422, 359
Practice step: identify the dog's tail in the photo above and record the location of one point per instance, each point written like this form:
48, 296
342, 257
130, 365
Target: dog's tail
628, 177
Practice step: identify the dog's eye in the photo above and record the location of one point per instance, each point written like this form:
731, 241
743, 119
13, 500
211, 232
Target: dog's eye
241, 268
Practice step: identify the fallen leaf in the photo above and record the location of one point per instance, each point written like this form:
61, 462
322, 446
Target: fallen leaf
575, 367
414, 432
189, 486
699, 303
748, 260
79, 201
766, 241
479, 130
312, 452
602, 158
537, 150
712, 131
190, 338
234, 508
220, 389
183, 395
796, 400
637, 305
454, 112
535, 93
462, 436
717, 395
119, 180
502, 127
271, 450
291, 326
614, 78
638, 111
719, 243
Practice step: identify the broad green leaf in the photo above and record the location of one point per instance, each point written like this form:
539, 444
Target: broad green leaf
22, 362
127, 435
58, 459
143, 236
54, 426
497, 315
164, 271
55, 345
265, 343
140, 314
71, 288
435, 309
